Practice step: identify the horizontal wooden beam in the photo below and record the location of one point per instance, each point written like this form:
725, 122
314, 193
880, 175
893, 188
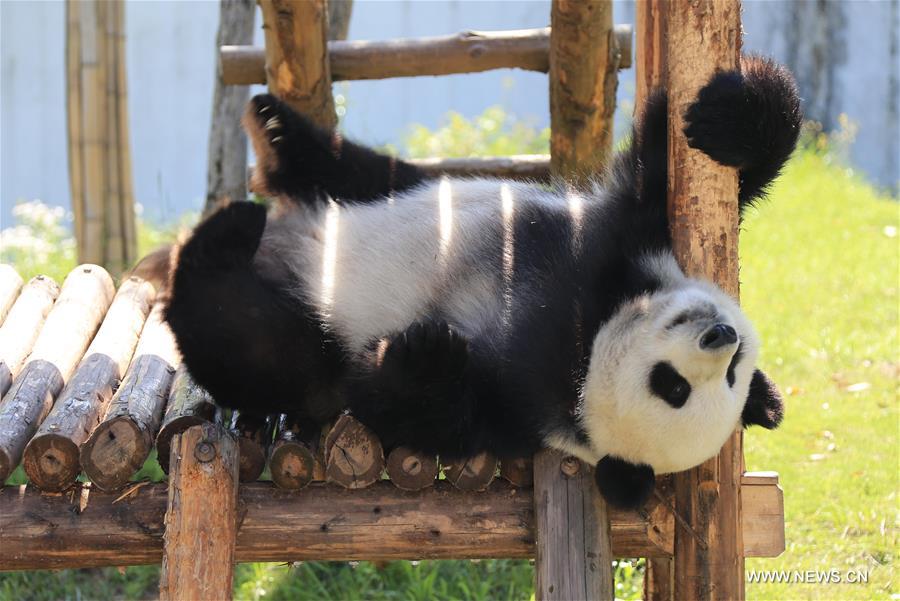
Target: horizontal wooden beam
89, 528
465, 52
520, 166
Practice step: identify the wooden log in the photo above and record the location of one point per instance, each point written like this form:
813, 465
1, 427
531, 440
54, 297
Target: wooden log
297, 66
22, 326
522, 166
226, 174
474, 473
518, 471
353, 454
583, 82
189, 405
573, 558
704, 37
51, 457
92, 528
10, 285
464, 52
70, 325
201, 515
254, 437
120, 444
409, 470
296, 458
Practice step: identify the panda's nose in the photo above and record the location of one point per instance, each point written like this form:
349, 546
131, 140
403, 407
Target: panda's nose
718, 336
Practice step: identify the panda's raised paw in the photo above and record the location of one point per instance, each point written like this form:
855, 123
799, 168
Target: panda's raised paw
715, 121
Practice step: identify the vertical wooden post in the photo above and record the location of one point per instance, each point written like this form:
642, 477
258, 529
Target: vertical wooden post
99, 154
650, 67
583, 80
573, 553
201, 515
297, 67
703, 36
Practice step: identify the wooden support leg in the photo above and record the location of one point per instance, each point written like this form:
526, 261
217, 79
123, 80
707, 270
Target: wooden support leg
573, 555
201, 520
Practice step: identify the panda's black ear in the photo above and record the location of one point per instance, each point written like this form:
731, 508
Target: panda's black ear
622, 484
764, 406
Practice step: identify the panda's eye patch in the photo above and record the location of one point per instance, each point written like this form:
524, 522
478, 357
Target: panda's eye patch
669, 385
729, 375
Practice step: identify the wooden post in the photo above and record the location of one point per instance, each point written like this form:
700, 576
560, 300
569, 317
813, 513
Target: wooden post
226, 170
573, 556
650, 73
201, 516
18, 333
297, 66
99, 155
703, 36
583, 80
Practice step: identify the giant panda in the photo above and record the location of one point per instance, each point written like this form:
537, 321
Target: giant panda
460, 315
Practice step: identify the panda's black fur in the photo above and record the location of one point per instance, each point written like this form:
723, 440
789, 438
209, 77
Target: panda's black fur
249, 332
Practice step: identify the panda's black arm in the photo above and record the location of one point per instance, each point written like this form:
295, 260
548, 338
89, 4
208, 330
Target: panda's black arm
750, 120
297, 159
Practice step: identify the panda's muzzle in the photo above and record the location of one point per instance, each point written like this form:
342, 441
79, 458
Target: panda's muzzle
718, 336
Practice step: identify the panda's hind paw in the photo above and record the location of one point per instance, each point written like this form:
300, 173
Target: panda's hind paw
427, 352
716, 120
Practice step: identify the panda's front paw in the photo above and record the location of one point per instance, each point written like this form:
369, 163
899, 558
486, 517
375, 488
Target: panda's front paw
427, 352
624, 485
717, 122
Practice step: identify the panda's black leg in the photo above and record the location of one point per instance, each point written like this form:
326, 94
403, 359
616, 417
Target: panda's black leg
748, 120
419, 395
299, 160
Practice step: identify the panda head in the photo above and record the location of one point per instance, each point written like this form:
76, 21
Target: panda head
672, 375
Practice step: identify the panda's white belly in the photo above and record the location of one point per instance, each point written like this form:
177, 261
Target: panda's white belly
371, 270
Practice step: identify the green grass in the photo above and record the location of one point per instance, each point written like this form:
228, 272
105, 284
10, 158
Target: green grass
820, 280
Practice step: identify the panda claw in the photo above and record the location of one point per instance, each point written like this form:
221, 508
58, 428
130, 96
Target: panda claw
273, 123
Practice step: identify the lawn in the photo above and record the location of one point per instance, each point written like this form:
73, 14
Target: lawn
820, 280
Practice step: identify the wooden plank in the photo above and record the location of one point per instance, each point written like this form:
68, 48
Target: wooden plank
87, 527
583, 84
69, 327
761, 492
297, 66
573, 558
10, 285
22, 326
703, 214
121, 443
189, 405
201, 515
464, 52
51, 457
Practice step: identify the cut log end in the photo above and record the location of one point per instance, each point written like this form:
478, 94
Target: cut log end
292, 464
108, 457
353, 454
51, 462
164, 439
409, 470
474, 473
518, 472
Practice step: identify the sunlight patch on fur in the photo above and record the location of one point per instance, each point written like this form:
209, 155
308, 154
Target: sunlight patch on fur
329, 254
576, 211
445, 208
508, 206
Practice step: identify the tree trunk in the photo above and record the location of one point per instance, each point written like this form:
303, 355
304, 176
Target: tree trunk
226, 173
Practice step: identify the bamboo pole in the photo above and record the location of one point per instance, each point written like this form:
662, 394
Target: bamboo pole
122, 442
705, 36
93, 528
99, 153
51, 457
464, 52
21, 329
297, 66
70, 325
201, 516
